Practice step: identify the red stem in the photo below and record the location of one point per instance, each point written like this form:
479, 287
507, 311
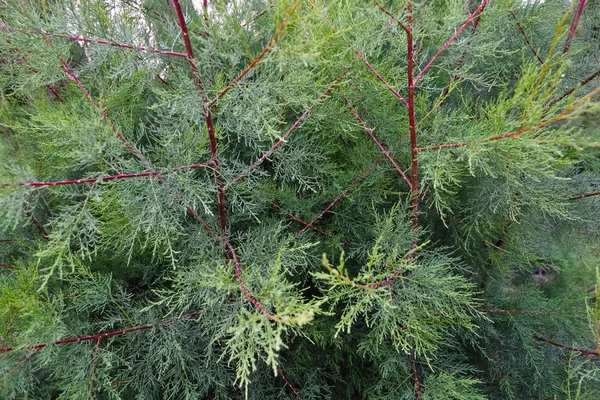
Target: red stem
583, 196
69, 72
244, 289
288, 383
562, 346
580, 84
492, 310
574, 24
364, 60
522, 30
9, 266
464, 25
208, 118
414, 187
97, 41
340, 197
295, 126
314, 228
564, 114
258, 58
109, 178
383, 150
389, 14
386, 281
416, 376
101, 335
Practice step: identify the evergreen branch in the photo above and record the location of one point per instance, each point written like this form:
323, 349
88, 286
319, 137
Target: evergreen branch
522, 30
8, 328
97, 41
109, 177
389, 14
257, 16
583, 196
208, 118
314, 228
101, 335
411, 120
415, 376
562, 346
383, 150
70, 74
238, 273
492, 310
288, 383
458, 32
341, 196
364, 60
574, 23
459, 64
258, 58
566, 113
579, 85
295, 126
8, 266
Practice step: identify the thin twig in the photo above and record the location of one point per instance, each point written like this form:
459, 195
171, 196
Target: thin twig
97, 41
258, 58
107, 178
563, 115
381, 148
522, 30
464, 25
583, 196
295, 126
562, 346
340, 197
101, 335
288, 383
362, 57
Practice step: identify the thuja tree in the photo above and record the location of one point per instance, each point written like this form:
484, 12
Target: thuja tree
299, 199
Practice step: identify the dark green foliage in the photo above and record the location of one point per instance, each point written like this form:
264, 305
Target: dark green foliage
240, 234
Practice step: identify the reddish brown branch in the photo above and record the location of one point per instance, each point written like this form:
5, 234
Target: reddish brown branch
492, 310
108, 178
258, 58
574, 24
208, 118
381, 148
97, 41
340, 197
295, 126
583, 196
8, 266
445, 46
562, 346
288, 383
522, 30
414, 186
8, 328
416, 376
314, 228
101, 335
238, 272
563, 115
364, 60
584, 82
70, 74
389, 14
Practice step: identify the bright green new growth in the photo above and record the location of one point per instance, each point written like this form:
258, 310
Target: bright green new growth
299, 199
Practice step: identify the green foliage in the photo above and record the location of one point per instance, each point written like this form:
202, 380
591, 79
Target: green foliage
269, 248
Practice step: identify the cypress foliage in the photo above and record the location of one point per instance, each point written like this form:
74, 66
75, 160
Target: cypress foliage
311, 199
